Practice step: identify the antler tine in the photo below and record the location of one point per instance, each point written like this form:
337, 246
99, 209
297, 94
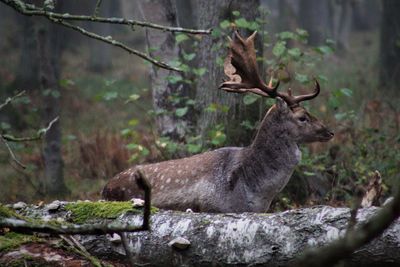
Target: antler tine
316, 92
293, 101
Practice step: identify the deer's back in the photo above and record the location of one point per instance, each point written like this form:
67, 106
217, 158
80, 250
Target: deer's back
198, 182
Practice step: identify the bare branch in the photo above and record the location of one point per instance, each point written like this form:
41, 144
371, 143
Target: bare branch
97, 9
10, 99
22, 7
110, 41
14, 158
38, 136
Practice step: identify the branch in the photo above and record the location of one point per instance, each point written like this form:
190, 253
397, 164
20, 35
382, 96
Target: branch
342, 248
110, 41
14, 158
38, 136
21, 7
10, 99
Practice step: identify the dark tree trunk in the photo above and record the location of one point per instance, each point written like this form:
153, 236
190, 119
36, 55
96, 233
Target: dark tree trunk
390, 48
27, 70
162, 45
314, 17
100, 59
208, 15
366, 14
49, 55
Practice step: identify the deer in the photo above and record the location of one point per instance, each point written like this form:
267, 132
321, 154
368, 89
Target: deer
233, 179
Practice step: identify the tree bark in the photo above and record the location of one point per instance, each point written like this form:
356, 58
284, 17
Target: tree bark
390, 47
209, 14
246, 239
162, 45
48, 43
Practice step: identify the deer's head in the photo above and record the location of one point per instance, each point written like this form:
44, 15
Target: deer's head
241, 68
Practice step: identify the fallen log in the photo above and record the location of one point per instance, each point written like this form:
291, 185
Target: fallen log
201, 239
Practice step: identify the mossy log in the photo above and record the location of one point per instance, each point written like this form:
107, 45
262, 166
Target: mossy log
247, 239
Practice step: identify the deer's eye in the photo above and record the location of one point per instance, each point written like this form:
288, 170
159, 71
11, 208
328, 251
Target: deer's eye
303, 118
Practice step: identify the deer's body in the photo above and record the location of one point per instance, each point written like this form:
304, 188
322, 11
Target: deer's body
232, 179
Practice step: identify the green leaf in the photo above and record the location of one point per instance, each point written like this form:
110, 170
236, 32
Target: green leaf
134, 97
133, 122
224, 24
180, 112
173, 79
216, 33
218, 138
126, 132
324, 50
193, 148
108, 96
250, 99
200, 71
247, 124
189, 57
181, 37
279, 48
236, 13
295, 52
242, 23
286, 35
347, 92
213, 107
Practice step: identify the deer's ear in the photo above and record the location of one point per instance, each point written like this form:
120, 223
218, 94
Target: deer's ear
281, 105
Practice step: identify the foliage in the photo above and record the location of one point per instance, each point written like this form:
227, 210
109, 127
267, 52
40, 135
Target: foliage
12, 240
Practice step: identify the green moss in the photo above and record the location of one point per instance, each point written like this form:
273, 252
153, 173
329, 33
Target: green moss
13, 240
85, 211
10, 213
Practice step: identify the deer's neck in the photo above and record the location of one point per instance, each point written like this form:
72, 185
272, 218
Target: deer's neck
268, 163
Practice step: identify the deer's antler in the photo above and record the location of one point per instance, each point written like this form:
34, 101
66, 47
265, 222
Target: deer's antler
242, 70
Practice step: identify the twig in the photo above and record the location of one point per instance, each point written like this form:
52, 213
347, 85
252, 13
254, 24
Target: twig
22, 7
113, 42
81, 250
97, 9
342, 248
14, 158
38, 136
354, 209
10, 99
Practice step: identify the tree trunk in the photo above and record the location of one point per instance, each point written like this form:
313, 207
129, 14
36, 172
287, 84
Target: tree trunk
28, 70
314, 17
100, 53
246, 239
209, 14
49, 69
162, 45
390, 48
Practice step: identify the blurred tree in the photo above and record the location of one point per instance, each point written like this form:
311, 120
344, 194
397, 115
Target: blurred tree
315, 18
27, 70
100, 53
390, 45
340, 20
209, 14
366, 14
48, 42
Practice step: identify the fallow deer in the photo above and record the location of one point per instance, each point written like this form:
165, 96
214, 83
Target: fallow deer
233, 179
